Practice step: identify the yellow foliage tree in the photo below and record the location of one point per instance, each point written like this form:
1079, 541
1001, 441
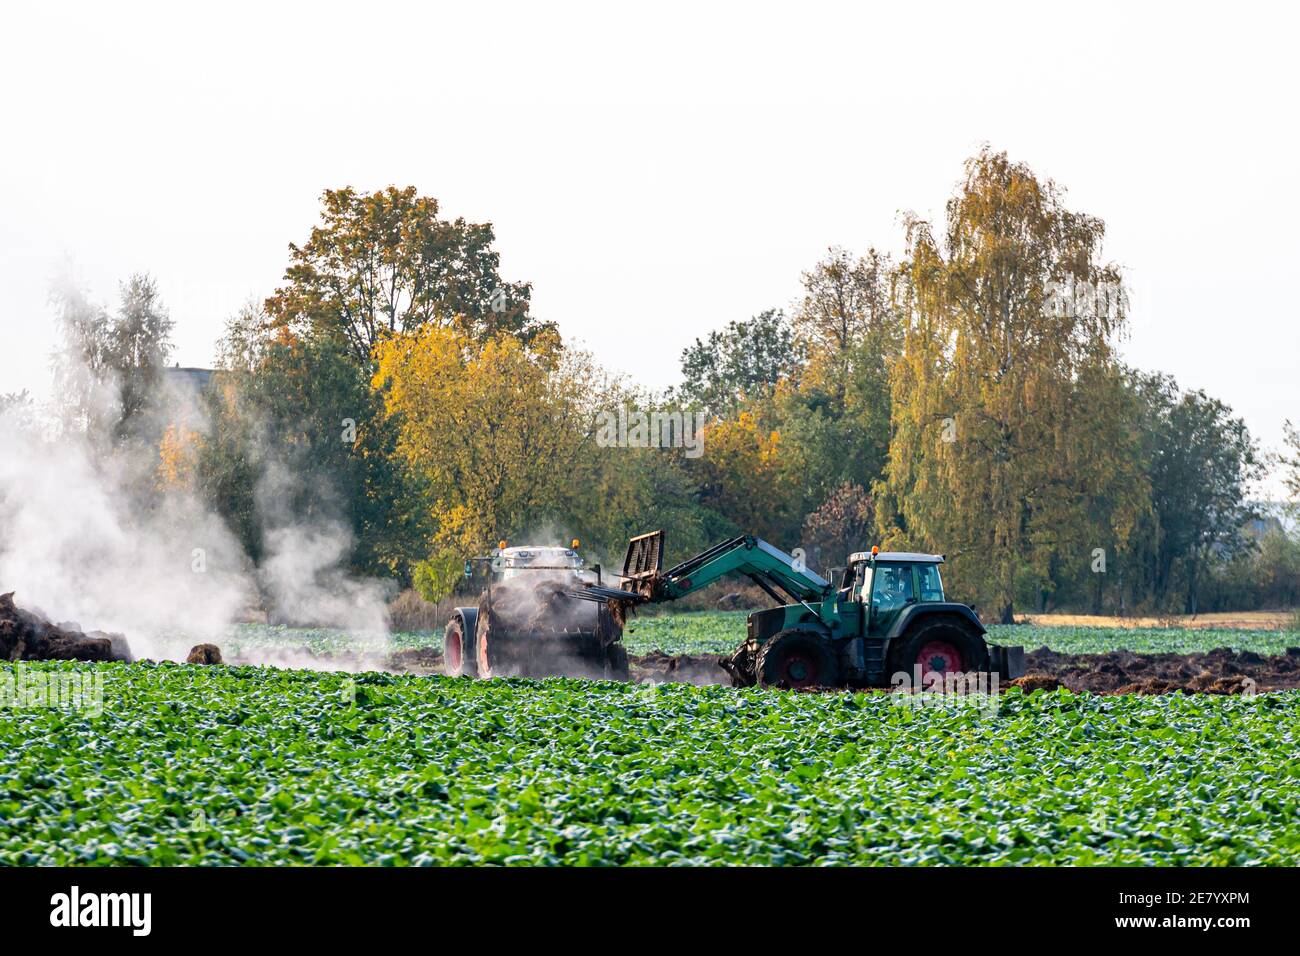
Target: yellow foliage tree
177, 458
744, 476
493, 427
1011, 444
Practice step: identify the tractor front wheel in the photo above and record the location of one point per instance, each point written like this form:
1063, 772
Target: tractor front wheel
795, 659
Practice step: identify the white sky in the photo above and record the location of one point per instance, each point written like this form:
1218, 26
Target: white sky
656, 170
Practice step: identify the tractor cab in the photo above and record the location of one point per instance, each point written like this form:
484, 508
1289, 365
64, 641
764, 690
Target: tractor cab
885, 583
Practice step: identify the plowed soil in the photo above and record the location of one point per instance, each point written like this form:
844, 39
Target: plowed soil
1220, 671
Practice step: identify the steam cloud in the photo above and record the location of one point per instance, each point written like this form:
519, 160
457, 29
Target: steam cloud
81, 541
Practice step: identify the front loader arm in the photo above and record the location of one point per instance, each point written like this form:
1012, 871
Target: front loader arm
783, 577
766, 565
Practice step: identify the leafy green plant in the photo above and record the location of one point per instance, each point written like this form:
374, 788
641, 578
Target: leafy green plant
708, 632
241, 765
718, 632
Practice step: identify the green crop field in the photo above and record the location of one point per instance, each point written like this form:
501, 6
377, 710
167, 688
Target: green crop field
250, 639
718, 632
223, 765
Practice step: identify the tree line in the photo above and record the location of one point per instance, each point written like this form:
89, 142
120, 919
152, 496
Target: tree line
965, 398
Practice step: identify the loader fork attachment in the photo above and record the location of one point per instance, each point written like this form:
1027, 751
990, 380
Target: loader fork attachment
645, 556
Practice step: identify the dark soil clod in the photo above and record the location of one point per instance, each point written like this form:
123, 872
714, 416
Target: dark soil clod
204, 654
27, 636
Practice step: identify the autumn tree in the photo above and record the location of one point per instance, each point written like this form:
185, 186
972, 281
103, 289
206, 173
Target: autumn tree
493, 427
743, 476
1005, 399
846, 315
385, 263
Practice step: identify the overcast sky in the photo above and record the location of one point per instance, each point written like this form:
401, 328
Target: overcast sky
656, 170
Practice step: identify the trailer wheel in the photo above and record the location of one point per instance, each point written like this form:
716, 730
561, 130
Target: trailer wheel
492, 645
794, 658
939, 647
455, 661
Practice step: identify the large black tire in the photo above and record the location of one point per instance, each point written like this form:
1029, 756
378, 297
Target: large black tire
938, 645
794, 659
457, 652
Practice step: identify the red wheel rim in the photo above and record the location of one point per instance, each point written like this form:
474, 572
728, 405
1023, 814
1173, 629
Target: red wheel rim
799, 669
939, 657
484, 667
453, 650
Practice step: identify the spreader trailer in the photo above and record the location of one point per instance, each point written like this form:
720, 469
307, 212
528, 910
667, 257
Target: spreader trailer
525, 625
885, 615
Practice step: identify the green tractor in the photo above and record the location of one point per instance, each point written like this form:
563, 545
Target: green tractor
883, 620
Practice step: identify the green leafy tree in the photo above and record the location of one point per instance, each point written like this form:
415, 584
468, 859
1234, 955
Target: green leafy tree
247, 337
1291, 462
846, 315
832, 438
384, 262
835, 421
307, 409
1202, 460
139, 343
743, 360
108, 367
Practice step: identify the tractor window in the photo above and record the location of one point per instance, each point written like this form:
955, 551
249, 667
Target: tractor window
891, 587
859, 581
931, 585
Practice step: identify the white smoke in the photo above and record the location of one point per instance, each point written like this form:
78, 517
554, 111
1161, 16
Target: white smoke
78, 545
301, 572
87, 535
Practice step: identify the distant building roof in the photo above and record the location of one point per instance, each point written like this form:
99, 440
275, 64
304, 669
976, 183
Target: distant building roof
196, 377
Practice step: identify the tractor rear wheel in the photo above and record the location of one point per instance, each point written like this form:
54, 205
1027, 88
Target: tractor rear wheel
457, 658
794, 659
939, 647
